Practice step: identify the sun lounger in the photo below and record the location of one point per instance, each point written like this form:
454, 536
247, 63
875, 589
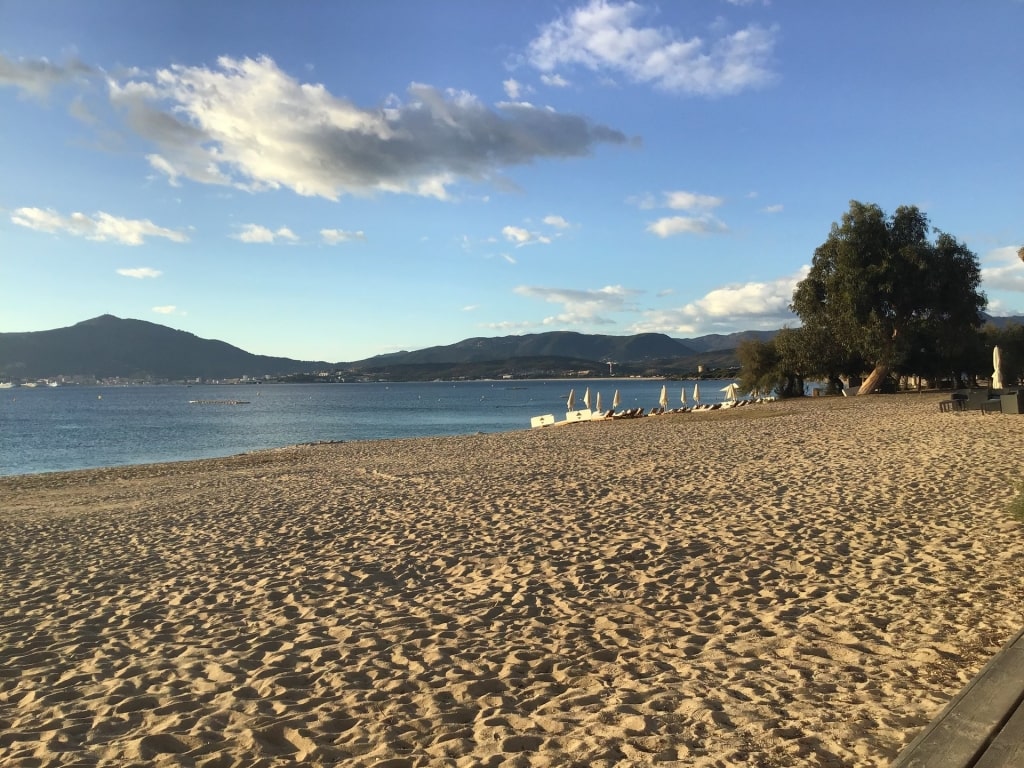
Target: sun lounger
580, 415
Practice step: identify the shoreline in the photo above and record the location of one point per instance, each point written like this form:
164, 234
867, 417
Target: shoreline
804, 582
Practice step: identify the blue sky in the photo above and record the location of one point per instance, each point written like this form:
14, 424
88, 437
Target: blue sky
333, 180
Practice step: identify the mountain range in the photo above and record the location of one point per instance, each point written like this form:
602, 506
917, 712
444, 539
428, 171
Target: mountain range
111, 347
108, 347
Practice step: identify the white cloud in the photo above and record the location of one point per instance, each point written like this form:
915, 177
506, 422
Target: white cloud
746, 306
777, 208
254, 233
140, 273
606, 37
1005, 270
556, 221
690, 225
100, 226
690, 201
516, 235
554, 81
248, 124
335, 236
521, 236
581, 306
514, 89
167, 309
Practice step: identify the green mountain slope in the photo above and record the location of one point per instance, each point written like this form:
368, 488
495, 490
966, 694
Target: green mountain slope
109, 346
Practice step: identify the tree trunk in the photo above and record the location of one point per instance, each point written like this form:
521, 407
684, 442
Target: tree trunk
874, 379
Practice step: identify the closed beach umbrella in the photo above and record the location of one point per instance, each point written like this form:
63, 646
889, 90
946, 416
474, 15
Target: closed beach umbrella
663, 400
586, 399
570, 404
682, 397
598, 406
696, 393
616, 400
997, 369
730, 390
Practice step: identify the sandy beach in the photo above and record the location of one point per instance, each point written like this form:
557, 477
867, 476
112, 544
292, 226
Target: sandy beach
787, 584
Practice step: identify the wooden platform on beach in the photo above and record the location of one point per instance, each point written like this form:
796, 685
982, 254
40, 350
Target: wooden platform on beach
983, 726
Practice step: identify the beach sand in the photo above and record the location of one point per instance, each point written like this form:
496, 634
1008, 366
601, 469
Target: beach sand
788, 584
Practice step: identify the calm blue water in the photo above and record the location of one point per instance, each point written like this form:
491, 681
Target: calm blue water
50, 429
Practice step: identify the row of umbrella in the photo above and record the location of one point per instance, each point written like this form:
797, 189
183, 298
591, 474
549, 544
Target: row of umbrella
731, 390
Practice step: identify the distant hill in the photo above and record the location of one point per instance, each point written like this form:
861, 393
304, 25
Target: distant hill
567, 344
556, 352
109, 346
1002, 322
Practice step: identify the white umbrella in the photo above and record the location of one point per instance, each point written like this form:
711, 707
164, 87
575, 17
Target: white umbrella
997, 369
682, 397
730, 390
570, 405
586, 399
616, 400
598, 406
663, 400
696, 393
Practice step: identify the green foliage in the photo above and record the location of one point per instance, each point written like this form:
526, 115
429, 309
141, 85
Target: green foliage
764, 369
880, 294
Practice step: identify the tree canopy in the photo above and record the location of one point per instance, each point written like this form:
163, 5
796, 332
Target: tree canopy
881, 293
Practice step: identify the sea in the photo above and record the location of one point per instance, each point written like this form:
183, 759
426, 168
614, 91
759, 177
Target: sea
49, 429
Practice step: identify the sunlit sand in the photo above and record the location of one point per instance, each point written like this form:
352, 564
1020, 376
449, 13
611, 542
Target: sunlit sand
785, 584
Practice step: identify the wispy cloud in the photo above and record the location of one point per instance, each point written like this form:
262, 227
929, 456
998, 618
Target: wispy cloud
691, 201
702, 222
554, 81
167, 309
514, 89
255, 233
37, 77
750, 306
557, 222
686, 225
206, 123
777, 208
581, 307
100, 226
335, 236
521, 236
609, 38
140, 273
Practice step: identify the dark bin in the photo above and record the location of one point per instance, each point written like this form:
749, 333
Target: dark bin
1012, 402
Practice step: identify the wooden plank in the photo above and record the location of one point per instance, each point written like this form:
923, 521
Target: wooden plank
1008, 747
959, 735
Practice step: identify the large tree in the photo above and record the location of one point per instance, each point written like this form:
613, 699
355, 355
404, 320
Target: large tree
884, 291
